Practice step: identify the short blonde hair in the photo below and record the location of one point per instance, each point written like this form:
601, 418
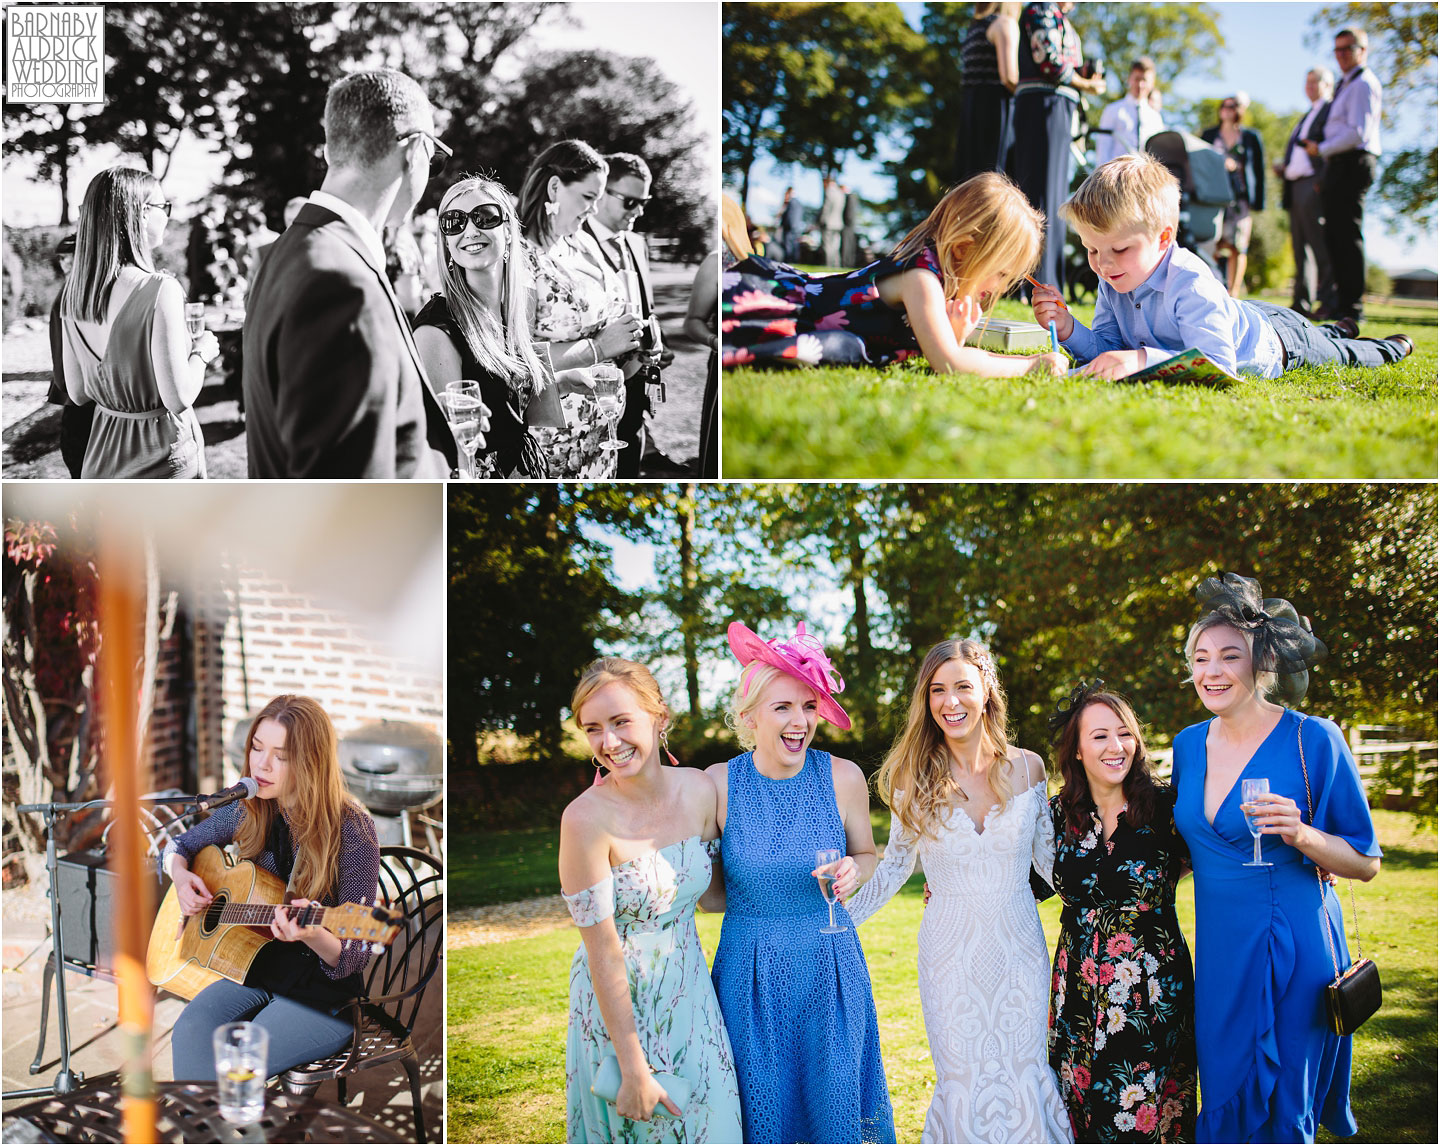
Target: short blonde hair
617, 670
1133, 191
755, 678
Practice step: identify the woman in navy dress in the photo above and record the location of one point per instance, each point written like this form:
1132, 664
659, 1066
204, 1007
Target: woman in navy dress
796, 1002
1271, 1070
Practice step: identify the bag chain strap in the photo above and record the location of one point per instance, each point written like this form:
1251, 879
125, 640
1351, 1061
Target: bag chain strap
1329, 939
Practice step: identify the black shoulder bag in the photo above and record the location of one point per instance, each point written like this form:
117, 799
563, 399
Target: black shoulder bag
1354, 994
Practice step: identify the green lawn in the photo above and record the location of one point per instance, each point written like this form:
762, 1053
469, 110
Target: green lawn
906, 422
501, 867
508, 1010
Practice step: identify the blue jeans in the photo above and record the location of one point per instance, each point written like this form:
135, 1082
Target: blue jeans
298, 1034
1309, 345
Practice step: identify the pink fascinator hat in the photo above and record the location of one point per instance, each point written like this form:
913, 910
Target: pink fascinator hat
802, 657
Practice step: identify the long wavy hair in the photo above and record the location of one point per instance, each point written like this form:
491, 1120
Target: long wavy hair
318, 802
1140, 786
571, 160
500, 342
109, 235
985, 226
915, 781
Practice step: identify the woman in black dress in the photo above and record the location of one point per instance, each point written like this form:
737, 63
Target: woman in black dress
479, 327
1122, 1010
1245, 161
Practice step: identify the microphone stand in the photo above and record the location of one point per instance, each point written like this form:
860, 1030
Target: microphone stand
67, 1080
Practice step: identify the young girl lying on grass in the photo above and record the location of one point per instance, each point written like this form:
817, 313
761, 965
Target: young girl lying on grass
924, 298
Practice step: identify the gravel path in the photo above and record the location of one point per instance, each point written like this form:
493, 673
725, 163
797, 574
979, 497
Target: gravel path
472, 926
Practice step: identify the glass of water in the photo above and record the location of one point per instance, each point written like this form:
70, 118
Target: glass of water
240, 1056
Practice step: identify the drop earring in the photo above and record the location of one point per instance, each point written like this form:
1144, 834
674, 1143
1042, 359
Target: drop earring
551, 207
600, 772
665, 747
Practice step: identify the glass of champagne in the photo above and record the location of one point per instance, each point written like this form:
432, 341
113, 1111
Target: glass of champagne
464, 411
1249, 790
240, 1071
828, 858
609, 391
195, 319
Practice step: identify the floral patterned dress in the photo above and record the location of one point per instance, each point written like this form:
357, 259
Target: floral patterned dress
652, 899
1122, 1013
572, 301
774, 315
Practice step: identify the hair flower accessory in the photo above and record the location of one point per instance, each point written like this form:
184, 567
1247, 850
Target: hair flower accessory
1282, 640
801, 656
1079, 696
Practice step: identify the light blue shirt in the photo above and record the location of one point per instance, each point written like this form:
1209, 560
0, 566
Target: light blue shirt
1354, 123
1181, 306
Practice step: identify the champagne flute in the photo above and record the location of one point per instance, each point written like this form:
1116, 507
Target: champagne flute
1249, 791
828, 858
195, 319
465, 411
609, 382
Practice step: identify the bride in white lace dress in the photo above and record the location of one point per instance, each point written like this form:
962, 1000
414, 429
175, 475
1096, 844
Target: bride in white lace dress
974, 809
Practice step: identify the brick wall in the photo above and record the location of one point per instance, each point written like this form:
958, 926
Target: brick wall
256, 637
170, 736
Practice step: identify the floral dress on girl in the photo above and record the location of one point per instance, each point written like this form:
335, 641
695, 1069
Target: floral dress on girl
652, 899
1122, 1010
773, 315
574, 299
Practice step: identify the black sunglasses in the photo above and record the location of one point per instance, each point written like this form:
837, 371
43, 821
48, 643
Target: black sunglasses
486, 217
439, 153
164, 206
630, 202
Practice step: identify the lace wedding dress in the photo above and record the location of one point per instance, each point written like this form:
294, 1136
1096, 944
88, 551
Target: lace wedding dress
984, 971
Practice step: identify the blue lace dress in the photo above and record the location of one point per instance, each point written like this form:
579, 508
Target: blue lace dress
652, 898
773, 315
797, 1003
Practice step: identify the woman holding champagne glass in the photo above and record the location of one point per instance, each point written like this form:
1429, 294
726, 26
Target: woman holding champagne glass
478, 331
124, 339
1271, 1070
792, 984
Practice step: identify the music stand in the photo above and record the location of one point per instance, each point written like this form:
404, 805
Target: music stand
67, 1080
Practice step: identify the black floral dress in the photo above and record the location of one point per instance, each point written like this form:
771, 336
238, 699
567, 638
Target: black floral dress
1122, 1001
773, 315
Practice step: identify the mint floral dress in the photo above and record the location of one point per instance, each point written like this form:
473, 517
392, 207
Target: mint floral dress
652, 899
1122, 1005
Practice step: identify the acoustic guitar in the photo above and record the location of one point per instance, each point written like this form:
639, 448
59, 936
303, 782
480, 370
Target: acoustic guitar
187, 954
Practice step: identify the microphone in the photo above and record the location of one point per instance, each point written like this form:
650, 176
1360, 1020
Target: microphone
247, 789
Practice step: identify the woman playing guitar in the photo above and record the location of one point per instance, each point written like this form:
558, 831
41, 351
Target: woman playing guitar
305, 828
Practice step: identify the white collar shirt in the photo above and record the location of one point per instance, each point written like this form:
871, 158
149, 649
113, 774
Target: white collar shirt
1300, 166
357, 223
1354, 123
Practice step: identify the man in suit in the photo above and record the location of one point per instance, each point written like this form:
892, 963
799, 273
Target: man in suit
849, 239
832, 222
333, 383
792, 218
1127, 123
611, 241
1301, 196
1350, 149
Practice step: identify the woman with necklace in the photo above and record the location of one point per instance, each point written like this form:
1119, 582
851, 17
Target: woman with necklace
1271, 1070
796, 998
973, 807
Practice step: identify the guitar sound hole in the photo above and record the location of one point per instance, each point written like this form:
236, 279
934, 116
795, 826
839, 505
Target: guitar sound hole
212, 914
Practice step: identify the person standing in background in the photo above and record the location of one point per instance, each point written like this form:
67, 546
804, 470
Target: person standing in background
1130, 120
832, 221
1350, 149
849, 243
1245, 161
1300, 174
792, 219
74, 420
990, 69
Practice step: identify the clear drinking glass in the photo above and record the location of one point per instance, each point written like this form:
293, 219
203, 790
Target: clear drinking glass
241, 1050
1249, 790
828, 858
609, 390
195, 319
464, 410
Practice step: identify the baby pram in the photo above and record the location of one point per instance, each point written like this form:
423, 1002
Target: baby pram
1204, 188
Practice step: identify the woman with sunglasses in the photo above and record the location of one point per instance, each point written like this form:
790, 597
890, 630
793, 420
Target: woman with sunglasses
1245, 161
479, 326
123, 338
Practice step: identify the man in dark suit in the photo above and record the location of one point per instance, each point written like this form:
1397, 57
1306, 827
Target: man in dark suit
1301, 197
334, 387
792, 218
621, 250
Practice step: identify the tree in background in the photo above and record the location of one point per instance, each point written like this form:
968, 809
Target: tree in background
1402, 55
814, 83
53, 134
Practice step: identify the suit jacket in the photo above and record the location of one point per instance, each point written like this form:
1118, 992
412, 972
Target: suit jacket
637, 258
1317, 133
334, 387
